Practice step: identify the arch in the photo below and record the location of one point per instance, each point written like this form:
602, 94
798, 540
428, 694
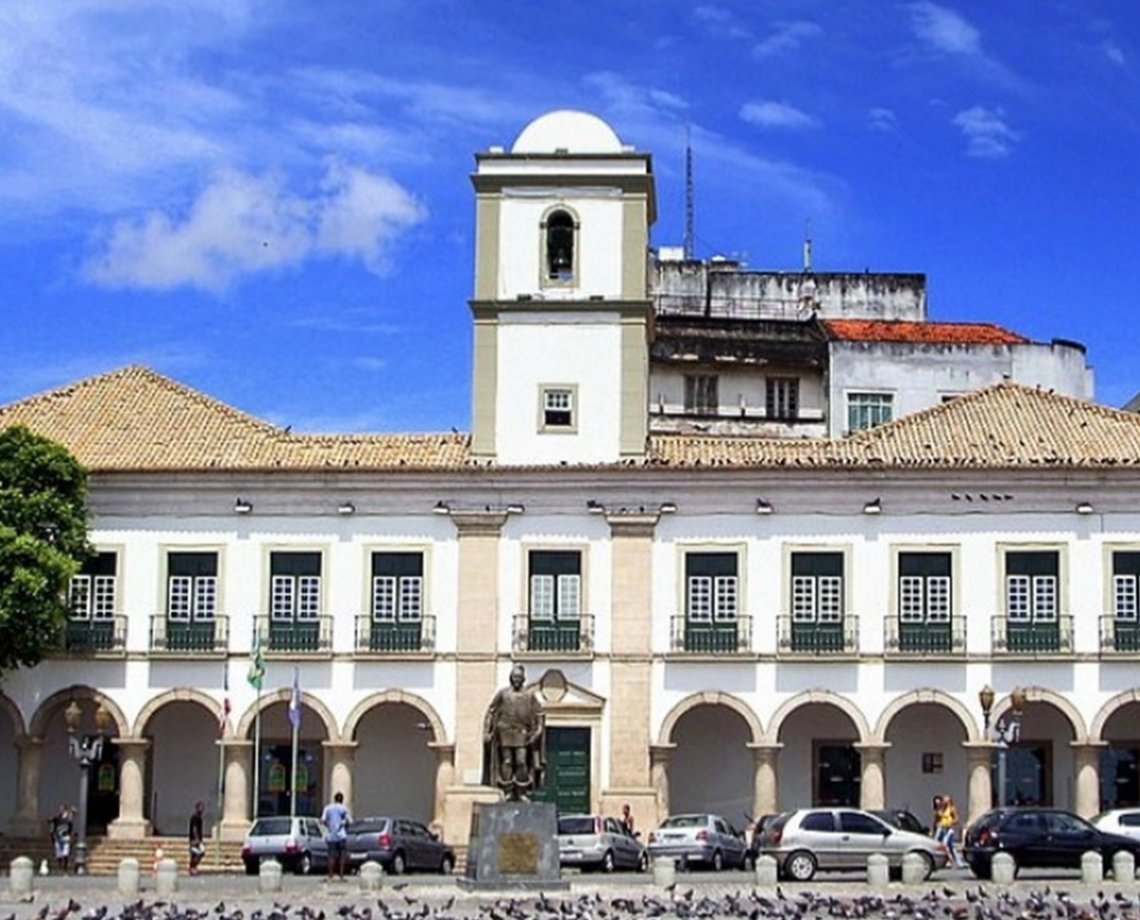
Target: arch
245, 724
559, 226
177, 695
710, 698
439, 736
1054, 699
80, 692
1100, 720
818, 696
927, 695
9, 706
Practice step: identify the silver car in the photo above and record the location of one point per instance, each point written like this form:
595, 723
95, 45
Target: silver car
297, 843
1124, 821
808, 839
599, 842
699, 838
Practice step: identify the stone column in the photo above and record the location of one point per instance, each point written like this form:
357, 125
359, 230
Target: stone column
340, 763
444, 778
25, 821
979, 779
765, 779
1086, 772
659, 755
872, 787
130, 825
238, 760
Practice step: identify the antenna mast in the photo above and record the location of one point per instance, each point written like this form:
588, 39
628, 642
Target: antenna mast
688, 241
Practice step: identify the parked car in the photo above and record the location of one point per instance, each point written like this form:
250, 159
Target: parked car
902, 819
809, 839
297, 843
699, 838
1039, 838
599, 842
399, 844
1124, 821
753, 836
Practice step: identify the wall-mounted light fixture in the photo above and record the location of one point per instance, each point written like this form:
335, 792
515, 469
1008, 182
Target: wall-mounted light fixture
441, 507
241, 506
874, 506
346, 508
763, 507
516, 508
1084, 508
668, 508
595, 507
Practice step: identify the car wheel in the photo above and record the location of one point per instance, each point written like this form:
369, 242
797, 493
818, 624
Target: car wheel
643, 862
304, 864
717, 861
447, 864
607, 862
251, 866
928, 863
800, 866
399, 864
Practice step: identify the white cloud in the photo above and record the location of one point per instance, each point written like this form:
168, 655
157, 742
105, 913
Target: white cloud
769, 114
986, 132
242, 224
881, 119
1114, 53
719, 22
787, 38
944, 30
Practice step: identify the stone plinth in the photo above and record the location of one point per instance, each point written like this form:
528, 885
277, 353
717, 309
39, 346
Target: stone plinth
513, 845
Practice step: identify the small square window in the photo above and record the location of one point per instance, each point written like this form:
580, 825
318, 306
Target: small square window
932, 762
557, 408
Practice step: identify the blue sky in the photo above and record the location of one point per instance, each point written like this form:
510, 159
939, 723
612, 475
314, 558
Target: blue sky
269, 199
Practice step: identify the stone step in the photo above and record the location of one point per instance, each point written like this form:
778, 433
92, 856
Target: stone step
104, 854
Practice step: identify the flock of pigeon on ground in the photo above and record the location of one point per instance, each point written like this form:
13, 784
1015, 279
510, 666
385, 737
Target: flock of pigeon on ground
971, 903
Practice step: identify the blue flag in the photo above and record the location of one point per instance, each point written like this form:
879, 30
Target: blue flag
295, 700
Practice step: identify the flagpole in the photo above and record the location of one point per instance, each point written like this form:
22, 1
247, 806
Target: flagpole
294, 717
221, 738
257, 758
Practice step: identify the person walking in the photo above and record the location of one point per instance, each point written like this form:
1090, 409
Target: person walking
62, 829
947, 829
336, 820
935, 814
197, 841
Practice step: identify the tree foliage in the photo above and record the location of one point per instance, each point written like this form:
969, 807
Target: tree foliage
43, 542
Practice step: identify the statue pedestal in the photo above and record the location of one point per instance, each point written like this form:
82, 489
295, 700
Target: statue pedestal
513, 845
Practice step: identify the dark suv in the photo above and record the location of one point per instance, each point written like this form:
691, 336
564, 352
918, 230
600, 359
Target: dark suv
1039, 838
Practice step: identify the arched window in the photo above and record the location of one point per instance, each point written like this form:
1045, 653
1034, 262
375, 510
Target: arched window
560, 231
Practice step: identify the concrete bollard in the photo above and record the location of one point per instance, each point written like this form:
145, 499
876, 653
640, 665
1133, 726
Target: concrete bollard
21, 874
128, 877
166, 878
269, 876
766, 872
1123, 866
371, 876
878, 871
664, 872
1002, 868
1092, 868
914, 868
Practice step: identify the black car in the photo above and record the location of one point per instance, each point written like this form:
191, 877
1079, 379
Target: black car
399, 844
1039, 838
902, 819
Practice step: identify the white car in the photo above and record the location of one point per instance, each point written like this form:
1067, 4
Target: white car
1124, 821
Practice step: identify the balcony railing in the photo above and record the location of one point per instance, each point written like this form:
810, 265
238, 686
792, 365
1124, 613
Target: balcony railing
703, 637
92, 636
810, 637
1119, 636
189, 637
570, 636
394, 636
942, 637
300, 636
1032, 637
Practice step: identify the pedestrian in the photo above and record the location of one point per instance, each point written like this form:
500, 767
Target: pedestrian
197, 843
947, 829
627, 818
61, 832
336, 820
935, 813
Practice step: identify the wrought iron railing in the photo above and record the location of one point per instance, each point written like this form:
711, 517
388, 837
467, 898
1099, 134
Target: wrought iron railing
97, 634
189, 637
710, 637
571, 635
394, 636
930, 637
1032, 637
812, 637
299, 636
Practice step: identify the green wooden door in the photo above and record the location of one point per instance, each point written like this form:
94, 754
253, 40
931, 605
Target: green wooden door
567, 782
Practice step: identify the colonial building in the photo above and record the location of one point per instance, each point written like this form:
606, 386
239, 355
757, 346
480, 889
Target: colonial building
733, 623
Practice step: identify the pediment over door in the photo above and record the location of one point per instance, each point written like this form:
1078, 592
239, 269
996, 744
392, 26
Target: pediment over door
563, 699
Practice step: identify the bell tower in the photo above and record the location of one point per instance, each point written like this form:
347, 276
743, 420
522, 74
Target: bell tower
561, 309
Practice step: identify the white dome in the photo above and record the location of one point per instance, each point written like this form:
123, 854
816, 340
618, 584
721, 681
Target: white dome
567, 130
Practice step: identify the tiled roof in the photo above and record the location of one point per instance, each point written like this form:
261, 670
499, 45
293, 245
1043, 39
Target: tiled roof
864, 330
135, 419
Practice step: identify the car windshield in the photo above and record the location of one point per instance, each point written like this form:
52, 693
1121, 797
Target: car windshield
576, 825
685, 821
271, 827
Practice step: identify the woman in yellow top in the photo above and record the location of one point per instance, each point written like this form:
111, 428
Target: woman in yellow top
947, 822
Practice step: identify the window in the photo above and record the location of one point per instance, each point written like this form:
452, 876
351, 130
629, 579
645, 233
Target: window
555, 585
1031, 586
822, 821
397, 587
782, 397
294, 586
559, 243
817, 587
710, 587
1125, 575
557, 408
701, 393
924, 587
191, 586
92, 592
866, 410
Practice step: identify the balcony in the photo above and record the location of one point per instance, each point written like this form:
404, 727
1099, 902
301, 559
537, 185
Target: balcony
388, 637
812, 638
301, 636
569, 636
705, 637
942, 638
189, 637
97, 636
1118, 635
1032, 637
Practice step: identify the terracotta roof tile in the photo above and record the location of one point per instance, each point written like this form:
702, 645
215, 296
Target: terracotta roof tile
863, 330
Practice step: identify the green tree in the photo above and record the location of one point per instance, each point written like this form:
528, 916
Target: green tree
43, 542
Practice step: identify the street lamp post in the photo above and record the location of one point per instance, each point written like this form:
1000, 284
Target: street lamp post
85, 750
1006, 732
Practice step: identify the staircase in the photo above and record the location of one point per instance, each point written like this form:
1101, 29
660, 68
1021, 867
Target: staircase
104, 854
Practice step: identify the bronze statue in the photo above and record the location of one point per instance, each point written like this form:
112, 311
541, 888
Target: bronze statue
514, 732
